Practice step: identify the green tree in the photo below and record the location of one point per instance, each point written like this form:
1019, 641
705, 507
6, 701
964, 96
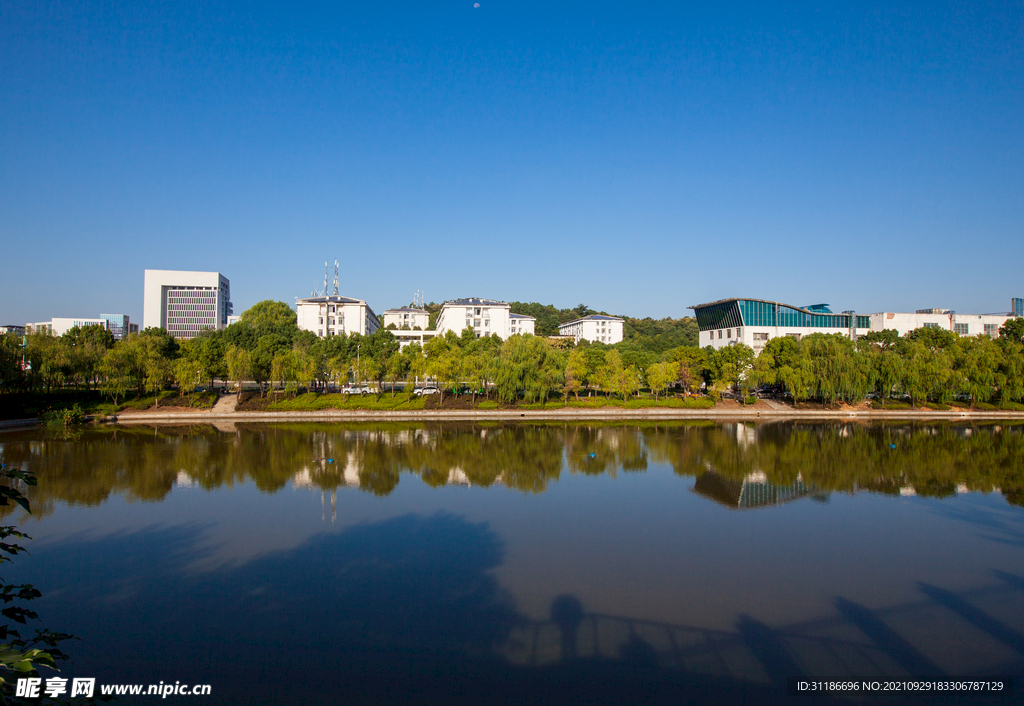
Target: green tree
661, 375
575, 373
188, 373
1013, 329
239, 367
269, 313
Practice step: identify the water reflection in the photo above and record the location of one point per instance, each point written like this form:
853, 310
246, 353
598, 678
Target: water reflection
599, 578
408, 611
739, 465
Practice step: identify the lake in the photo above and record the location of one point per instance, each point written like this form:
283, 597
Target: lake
527, 563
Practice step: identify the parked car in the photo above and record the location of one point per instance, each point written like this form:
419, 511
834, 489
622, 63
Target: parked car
425, 391
351, 389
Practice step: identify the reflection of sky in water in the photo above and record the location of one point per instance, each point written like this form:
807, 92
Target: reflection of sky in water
638, 545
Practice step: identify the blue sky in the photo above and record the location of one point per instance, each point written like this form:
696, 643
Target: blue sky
636, 157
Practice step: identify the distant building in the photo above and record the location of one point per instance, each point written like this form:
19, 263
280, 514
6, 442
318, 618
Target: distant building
186, 303
117, 324
13, 328
120, 325
234, 319
596, 328
756, 321
484, 316
960, 324
1017, 306
334, 314
407, 318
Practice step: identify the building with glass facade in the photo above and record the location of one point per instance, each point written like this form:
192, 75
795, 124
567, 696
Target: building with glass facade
119, 325
756, 321
1017, 306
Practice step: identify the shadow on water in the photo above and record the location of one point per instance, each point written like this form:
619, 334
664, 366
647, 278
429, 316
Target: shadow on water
407, 611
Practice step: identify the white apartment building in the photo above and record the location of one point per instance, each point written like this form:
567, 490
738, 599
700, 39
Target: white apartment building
961, 324
407, 318
606, 329
484, 316
334, 314
186, 303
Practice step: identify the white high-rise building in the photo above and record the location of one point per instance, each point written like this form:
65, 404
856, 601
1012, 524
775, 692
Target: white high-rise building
186, 303
484, 316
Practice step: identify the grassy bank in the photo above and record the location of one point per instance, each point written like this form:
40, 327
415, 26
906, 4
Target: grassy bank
252, 402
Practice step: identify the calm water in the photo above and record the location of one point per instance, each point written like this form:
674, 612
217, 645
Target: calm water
527, 563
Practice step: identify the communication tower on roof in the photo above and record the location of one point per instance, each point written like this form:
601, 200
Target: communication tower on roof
417, 299
335, 278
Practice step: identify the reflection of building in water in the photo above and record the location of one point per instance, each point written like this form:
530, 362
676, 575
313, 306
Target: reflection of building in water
746, 434
755, 490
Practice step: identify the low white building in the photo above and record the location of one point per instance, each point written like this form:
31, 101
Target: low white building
404, 338
58, 326
484, 316
334, 314
407, 318
596, 328
961, 324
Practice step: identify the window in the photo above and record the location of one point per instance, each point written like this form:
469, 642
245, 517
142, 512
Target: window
719, 334
321, 321
930, 325
320, 333
992, 330
961, 329
794, 336
330, 321
487, 322
760, 336
728, 333
477, 312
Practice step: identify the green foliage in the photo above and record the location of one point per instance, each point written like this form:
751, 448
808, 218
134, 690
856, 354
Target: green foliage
270, 314
21, 655
1013, 330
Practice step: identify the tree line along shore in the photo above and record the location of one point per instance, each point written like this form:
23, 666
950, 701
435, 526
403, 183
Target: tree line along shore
272, 364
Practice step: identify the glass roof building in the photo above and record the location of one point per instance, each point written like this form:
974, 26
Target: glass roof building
756, 321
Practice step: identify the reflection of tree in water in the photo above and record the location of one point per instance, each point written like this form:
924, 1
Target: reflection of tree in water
146, 463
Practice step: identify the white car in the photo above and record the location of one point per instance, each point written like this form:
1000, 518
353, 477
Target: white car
425, 391
351, 389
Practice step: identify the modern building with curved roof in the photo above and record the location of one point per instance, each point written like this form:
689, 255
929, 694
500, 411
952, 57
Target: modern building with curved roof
756, 321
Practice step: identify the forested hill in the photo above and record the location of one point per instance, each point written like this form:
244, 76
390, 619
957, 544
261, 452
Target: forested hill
655, 335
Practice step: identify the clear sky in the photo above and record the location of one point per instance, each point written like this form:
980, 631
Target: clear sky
636, 157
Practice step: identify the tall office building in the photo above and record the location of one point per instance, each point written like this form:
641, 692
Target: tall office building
186, 303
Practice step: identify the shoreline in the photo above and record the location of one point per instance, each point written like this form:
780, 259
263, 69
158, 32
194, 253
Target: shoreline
569, 414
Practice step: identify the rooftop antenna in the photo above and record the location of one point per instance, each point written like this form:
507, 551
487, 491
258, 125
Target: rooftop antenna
335, 278
417, 299
325, 278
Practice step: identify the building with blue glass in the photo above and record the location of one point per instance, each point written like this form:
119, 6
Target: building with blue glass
756, 321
